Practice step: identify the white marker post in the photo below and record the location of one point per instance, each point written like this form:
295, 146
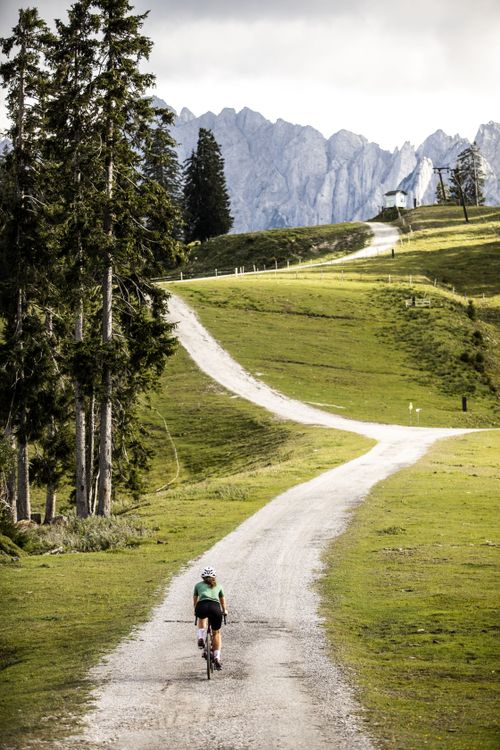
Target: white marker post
417, 412
410, 409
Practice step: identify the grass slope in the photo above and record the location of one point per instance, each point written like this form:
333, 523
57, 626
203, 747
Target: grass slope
352, 346
411, 600
275, 246
60, 613
442, 246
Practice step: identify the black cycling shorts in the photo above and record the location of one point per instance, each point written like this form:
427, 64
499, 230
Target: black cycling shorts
212, 610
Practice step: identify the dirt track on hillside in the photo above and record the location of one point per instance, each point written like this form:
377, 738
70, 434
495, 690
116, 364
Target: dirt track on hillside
278, 688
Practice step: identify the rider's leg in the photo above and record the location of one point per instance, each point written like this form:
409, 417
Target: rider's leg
202, 628
217, 640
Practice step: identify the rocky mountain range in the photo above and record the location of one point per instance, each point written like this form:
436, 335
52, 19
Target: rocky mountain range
279, 174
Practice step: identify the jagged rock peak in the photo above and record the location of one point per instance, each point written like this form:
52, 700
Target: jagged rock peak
345, 144
186, 115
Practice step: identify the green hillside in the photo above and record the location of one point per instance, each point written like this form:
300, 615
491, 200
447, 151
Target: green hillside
345, 337
439, 245
414, 588
265, 249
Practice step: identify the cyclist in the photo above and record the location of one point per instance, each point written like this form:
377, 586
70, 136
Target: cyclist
209, 603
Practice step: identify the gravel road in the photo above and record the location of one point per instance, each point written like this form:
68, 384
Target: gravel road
278, 689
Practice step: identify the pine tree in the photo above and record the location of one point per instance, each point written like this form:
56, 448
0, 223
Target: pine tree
135, 336
162, 169
207, 206
24, 259
469, 176
442, 193
79, 212
74, 152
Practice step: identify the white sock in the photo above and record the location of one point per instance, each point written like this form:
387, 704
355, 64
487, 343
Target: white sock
202, 633
217, 655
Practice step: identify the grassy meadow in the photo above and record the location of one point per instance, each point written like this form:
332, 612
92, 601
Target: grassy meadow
61, 613
411, 603
351, 345
437, 244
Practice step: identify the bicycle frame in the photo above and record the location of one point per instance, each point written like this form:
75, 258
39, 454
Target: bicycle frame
208, 648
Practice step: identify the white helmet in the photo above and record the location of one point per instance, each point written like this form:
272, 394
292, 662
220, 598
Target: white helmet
208, 572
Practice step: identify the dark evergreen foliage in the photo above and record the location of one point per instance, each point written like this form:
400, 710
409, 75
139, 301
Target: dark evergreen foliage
26, 285
442, 195
468, 177
85, 221
206, 199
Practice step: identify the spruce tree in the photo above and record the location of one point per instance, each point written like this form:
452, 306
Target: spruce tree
207, 206
135, 336
442, 193
162, 169
469, 174
81, 210
74, 152
24, 256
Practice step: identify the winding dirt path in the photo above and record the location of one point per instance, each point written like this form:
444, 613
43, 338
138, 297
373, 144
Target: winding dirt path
278, 689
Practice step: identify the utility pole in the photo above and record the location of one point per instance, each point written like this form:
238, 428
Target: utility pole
456, 174
439, 171
475, 172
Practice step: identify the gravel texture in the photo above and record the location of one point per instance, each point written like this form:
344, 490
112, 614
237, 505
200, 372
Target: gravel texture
278, 689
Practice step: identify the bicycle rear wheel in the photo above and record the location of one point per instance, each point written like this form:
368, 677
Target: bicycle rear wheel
208, 647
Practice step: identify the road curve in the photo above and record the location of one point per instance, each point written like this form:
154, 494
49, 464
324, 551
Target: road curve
278, 688
385, 238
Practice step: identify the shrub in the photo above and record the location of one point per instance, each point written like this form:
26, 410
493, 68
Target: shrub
92, 534
7, 526
471, 310
8, 547
477, 338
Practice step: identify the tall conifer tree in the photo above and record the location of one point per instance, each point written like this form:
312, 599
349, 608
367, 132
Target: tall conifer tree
207, 206
135, 337
470, 173
24, 259
74, 151
162, 169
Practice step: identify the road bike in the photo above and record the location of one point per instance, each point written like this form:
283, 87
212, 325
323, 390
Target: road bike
208, 650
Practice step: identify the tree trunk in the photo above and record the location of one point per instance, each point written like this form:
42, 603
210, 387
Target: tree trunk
106, 415
82, 500
105, 433
90, 458
50, 503
11, 479
23, 480
23, 483
11, 493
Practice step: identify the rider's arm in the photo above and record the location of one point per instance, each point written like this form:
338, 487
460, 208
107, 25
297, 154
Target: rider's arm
223, 604
195, 600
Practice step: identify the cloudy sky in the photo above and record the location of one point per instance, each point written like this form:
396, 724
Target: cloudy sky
392, 70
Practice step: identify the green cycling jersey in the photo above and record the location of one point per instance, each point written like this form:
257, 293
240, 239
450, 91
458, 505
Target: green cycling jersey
203, 591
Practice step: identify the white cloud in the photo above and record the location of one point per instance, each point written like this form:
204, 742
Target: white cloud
387, 70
